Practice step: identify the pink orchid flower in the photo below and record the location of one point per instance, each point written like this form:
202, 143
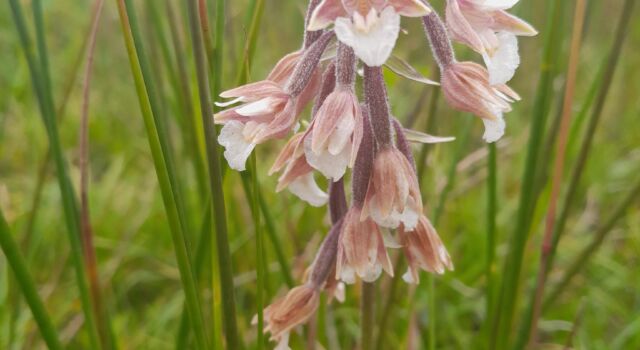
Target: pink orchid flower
487, 28
370, 27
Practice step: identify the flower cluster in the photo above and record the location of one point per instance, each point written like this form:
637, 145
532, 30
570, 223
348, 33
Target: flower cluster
347, 134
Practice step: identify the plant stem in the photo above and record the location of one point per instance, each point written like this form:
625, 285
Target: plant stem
163, 171
19, 267
367, 305
513, 262
530, 332
86, 230
215, 180
40, 80
259, 252
492, 208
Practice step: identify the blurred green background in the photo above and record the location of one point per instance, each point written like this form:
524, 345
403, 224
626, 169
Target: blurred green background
136, 261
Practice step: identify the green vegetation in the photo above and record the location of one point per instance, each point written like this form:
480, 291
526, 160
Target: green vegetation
188, 251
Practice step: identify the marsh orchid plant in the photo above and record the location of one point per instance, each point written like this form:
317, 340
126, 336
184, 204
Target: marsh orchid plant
347, 134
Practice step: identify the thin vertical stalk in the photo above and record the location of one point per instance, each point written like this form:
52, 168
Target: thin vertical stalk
367, 304
580, 261
199, 261
451, 176
164, 176
530, 332
39, 79
28, 288
505, 308
492, 209
86, 230
185, 96
259, 252
594, 119
215, 180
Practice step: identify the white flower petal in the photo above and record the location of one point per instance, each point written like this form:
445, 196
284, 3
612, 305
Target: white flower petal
262, 106
493, 128
371, 42
496, 4
372, 273
408, 277
306, 188
331, 166
502, 64
348, 275
229, 103
283, 343
237, 149
341, 134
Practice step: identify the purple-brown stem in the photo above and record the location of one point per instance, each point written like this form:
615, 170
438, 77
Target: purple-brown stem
337, 201
439, 40
328, 85
307, 65
364, 162
377, 101
345, 66
326, 257
402, 143
310, 36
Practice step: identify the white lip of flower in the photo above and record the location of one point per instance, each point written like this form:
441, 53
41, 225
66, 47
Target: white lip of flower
306, 188
372, 37
409, 218
494, 128
237, 148
504, 60
332, 166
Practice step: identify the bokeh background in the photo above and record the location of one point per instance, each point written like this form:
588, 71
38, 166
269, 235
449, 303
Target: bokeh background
137, 266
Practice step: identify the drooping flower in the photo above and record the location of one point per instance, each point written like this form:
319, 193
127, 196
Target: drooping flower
488, 29
361, 249
335, 132
467, 88
370, 27
393, 196
424, 250
270, 108
289, 312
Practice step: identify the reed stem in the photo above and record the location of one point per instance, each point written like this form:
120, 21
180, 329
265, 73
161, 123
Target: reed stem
164, 171
215, 177
505, 308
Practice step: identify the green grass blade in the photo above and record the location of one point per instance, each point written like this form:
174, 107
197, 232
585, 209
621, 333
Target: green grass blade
505, 309
215, 179
45, 101
19, 267
163, 173
492, 208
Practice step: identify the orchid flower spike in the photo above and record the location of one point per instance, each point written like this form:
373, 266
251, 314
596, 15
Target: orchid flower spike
488, 29
370, 27
270, 108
